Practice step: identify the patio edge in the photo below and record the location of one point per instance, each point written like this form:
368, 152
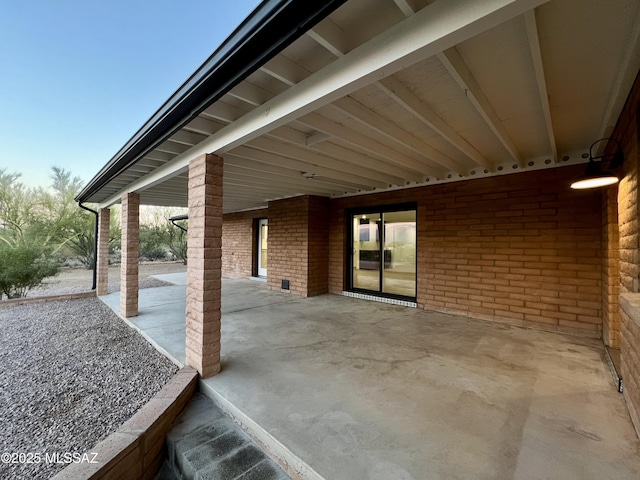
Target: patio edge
290, 462
145, 335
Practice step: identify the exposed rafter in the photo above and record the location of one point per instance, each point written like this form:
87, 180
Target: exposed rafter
172, 148
262, 168
404, 7
347, 155
353, 180
251, 94
459, 71
397, 90
202, 126
316, 159
439, 26
285, 70
329, 41
223, 112
327, 34
536, 57
187, 138
392, 131
366, 143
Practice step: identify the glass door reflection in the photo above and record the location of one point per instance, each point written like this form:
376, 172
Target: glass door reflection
383, 255
399, 267
366, 252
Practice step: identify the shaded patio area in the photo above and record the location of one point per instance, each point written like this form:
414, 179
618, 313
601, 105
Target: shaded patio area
363, 390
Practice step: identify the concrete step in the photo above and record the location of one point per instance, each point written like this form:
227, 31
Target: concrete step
205, 444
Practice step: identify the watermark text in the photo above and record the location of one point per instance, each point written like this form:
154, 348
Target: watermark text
64, 458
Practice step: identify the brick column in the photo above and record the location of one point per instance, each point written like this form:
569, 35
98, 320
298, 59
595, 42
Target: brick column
102, 284
130, 255
204, 264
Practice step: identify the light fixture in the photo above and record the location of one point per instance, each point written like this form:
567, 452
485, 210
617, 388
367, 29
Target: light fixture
308, 175
594, 176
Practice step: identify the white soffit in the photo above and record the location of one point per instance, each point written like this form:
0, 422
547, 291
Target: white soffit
394, 93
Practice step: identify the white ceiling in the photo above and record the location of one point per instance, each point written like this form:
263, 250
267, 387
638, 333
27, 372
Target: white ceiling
512, 91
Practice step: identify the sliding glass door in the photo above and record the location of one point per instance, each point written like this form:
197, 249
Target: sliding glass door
383, 253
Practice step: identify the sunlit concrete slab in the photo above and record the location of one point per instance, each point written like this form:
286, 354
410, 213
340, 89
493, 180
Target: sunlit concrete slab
161, 311
357, 389
160, 319
177, 278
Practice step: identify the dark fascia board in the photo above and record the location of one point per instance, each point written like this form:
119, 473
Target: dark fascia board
270, 28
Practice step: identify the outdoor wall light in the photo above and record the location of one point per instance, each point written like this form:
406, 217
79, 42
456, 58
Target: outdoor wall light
594, 176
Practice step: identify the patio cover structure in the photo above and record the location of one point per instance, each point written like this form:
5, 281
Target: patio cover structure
474, 114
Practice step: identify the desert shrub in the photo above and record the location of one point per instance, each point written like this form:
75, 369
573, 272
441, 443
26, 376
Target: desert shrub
154, 253
23, 266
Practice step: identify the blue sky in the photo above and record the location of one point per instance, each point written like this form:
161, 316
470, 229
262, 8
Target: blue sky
79, 77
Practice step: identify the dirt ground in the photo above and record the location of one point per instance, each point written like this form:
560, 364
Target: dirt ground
77, 280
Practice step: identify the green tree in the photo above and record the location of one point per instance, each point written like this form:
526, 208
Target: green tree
27, 248
70, 227
160, 236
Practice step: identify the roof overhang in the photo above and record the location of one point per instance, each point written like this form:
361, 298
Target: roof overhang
385, 94
272, 26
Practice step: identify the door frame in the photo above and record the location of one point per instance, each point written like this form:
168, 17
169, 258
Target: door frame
349, 247
260, 271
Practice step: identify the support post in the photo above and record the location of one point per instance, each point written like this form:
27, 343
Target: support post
102, 255
204, 264
130, 255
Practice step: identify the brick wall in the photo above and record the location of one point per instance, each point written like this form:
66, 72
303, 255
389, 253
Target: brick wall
288, 244
318, 242
610, 268
298, 244
521, 249
630, 355
627, 132
239, 243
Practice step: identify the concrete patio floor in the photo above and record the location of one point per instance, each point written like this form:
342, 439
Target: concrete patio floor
364, 390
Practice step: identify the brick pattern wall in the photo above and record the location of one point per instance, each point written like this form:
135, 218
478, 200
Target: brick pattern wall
318, 246
288, 247
337, 246
239, 243
521, 249
102, 255
130, 255
204, 282
298, 244
630, 360
627, 132
610, 268
524, 249
628, 224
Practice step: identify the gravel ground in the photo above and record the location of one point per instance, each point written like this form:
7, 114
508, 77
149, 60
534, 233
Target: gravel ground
78, 280
71, 372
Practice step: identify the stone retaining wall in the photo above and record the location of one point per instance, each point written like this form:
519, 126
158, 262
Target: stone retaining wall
50, 298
